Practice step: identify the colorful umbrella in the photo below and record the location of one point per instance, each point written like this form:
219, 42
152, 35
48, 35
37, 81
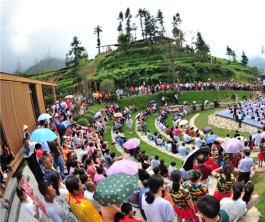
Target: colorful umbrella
132, 143
115, 189
117, 115
42, 135
232, 145
189, 161
152, 102
123, 166
183, 122
44, 116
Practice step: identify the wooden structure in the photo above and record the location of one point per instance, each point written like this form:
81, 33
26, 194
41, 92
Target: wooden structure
21, 102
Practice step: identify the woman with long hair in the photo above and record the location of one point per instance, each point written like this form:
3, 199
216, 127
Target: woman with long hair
225, 181
250, 195
32, 207
29, 191
154, 205
126, 214
261, 154
234, 206
195, 188
182, 199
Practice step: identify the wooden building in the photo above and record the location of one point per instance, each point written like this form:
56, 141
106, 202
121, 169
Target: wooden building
21, 102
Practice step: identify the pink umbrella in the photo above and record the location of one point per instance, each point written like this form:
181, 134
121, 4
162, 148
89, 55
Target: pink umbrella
232, 145
132, 143
124, 166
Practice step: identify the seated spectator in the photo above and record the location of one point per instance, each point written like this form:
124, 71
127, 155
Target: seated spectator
198, 141
171, 168
81, 207
107, 157
163, 171
160, 141
209, 209
99, 175
155, 162
142, 173
174, 147
187, 139
149, 135
88, 194
206, 170
7, 154
182, 150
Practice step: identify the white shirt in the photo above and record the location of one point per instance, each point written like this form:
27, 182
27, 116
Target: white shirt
89, 196
31, 208
245, 164
158, 211
234, 208
55, 211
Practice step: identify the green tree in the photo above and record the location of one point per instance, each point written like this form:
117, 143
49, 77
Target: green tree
141, 14
201, 48
107, 85
244, 60
128, 17
120, 18
124, 41
160, 19
97, 31
76, 53
176, 20
228, 52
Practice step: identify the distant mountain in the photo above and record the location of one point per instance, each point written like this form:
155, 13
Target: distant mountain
258, 61
45, 66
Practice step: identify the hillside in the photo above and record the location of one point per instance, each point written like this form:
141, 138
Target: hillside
46, 66
149, 64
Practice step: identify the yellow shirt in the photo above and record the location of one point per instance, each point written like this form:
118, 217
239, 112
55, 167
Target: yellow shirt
83, 209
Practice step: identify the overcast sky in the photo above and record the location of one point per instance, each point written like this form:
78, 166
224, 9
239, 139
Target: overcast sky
30, 27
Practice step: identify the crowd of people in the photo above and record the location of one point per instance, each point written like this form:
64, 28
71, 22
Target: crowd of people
69, 169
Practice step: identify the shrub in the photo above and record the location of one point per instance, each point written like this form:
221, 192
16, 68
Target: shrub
82, 122
90, 118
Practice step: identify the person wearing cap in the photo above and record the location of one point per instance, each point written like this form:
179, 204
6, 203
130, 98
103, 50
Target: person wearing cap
25, 131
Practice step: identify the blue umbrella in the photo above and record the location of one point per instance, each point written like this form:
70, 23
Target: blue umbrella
66, 123
210, 139
152, 102
42, 135
44, 116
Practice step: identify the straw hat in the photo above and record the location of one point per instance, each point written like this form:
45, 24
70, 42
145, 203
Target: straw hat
25, 127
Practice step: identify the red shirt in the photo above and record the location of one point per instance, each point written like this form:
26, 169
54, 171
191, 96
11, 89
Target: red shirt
206, 170
127, 219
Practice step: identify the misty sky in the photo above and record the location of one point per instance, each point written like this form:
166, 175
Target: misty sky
30, 27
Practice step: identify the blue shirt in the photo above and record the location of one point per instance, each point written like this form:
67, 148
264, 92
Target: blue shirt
142, 191
198, 141
47, 175
182, 151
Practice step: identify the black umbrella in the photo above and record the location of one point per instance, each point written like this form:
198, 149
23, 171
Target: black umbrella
189, 161
117, 126
206, 129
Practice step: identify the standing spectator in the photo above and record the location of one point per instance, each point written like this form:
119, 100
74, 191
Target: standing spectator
245, 167
30, 157
176, 98
234, 206
163, 100
129, 123
209, 209
25, 130
80, 206
54, 210
154, 205
261, 154
225, 182
30, 206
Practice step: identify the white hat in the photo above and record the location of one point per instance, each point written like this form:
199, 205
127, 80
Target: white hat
25, 127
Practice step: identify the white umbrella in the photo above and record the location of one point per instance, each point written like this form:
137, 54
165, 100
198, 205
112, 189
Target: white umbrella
44, 116
183, 122
69, 97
